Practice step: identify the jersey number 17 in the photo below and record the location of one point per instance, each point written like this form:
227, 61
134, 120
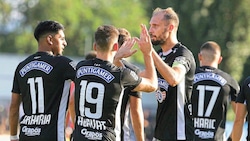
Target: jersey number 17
202, 91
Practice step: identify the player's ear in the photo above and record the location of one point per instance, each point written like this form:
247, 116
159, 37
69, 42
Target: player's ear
94, 46
49, 39
220, 59
171, 27
199, 56
115, 47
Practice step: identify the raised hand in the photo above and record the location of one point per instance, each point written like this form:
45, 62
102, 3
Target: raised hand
144, 42
126, 49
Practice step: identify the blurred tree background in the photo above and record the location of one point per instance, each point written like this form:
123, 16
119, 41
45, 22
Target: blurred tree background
226, 22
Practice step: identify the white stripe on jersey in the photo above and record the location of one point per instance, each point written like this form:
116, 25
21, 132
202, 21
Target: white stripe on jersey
126, 128
117, 117
61, 112
180, 110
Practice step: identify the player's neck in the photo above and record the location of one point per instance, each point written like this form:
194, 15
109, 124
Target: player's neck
214, 65
44, 47
45, 50
105, 57
169, 44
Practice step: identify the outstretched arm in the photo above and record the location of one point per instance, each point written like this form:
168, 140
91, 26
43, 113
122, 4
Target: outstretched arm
149, 78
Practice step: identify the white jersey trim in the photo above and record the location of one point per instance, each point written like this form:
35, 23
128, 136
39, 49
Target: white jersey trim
126, 128
61, 112
118, 120
180, 110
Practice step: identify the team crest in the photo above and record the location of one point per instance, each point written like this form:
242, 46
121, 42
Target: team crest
160, 95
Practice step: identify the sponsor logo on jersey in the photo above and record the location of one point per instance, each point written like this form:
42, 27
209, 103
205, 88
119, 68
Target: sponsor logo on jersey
204, 134
73, 64
179, 60
90, 70
161, 94
135, 76
31, 131
91, 124
210, 76
91, 135
163, 84
36, 65
41, 119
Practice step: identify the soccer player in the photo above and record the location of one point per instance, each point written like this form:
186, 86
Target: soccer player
212, 92
175, 66
41, 83
242, 108
71, 110
99, 84
131, 102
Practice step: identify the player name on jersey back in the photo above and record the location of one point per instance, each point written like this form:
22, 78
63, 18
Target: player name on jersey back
29, 120
91, 124
207, 125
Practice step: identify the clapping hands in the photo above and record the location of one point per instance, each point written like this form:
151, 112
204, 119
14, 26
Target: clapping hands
126, 49
144, 43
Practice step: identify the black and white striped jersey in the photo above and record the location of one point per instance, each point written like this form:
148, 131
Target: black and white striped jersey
43, 81
212, 92
127, 132
244, 98
173, 117
99, 89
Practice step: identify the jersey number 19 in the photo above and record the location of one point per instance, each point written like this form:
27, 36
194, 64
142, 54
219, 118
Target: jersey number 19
86, 96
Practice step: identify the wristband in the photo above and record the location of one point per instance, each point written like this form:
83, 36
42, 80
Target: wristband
15, 137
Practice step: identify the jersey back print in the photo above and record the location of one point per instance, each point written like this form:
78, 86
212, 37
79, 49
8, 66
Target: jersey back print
98, 99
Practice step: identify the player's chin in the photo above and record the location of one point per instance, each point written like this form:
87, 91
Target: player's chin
60, 52
153, 39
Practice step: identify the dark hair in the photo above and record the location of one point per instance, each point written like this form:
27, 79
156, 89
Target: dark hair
105, 35
45, 27
124, 35
90, 55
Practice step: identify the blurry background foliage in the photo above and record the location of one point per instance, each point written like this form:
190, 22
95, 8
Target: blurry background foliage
225, 21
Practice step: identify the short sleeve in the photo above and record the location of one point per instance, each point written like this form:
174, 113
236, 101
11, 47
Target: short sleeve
244, 91
16, 86
130, 79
